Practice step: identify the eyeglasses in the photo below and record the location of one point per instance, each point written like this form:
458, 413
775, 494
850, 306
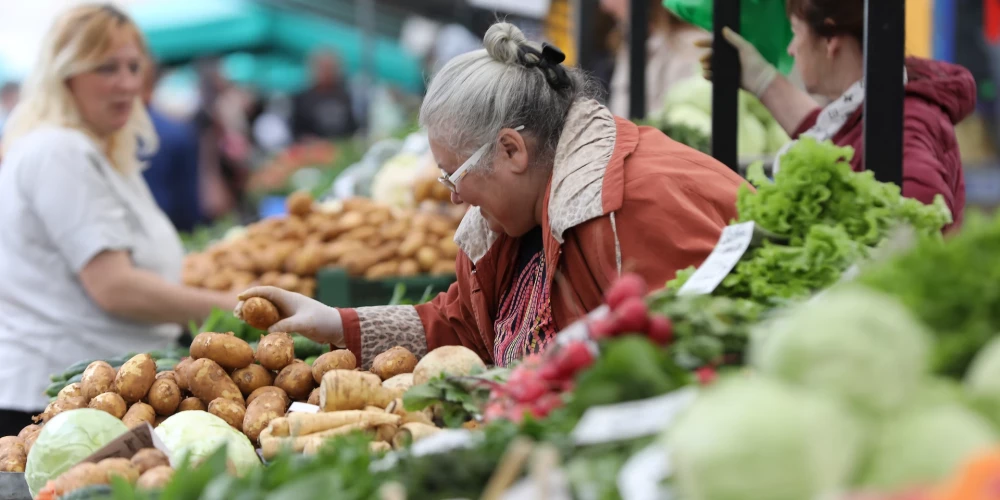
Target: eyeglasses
451, 181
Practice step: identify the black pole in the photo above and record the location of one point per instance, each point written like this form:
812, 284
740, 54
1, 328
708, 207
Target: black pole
638, 31
725, 84
584, 30
885, 46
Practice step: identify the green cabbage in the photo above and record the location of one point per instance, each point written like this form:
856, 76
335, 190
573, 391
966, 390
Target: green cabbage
695, 91
197, 434
755, 438
983, 381
776, 137
751, 137
924, 447
67, 439
851, 343
690, 116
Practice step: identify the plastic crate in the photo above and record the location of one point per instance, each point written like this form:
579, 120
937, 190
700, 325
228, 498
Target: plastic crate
335, 288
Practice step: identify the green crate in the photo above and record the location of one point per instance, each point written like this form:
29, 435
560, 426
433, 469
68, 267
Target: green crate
335, 288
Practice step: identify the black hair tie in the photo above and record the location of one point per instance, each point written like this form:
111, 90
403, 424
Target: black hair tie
549, 60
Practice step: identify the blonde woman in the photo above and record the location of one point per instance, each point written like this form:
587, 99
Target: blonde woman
90, 264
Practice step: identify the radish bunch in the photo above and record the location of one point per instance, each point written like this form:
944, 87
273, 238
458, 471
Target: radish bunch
630, 314
536, 386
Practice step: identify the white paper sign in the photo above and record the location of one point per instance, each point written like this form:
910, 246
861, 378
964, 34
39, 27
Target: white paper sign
733, 243
303, 408
635, 419
641, 478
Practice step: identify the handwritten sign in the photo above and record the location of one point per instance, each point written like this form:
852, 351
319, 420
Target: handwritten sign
733, 243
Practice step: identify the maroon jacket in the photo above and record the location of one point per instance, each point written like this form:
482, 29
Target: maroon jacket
938, 95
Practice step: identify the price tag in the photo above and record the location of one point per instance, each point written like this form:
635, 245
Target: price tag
733, 243
641, 478
303, 408
578, 331
635, 419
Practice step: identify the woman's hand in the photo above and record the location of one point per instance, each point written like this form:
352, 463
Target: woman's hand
757, 72
301, 314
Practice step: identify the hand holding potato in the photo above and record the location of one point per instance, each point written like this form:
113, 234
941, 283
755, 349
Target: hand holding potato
302, 315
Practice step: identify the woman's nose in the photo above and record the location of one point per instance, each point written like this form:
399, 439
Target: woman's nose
455, 198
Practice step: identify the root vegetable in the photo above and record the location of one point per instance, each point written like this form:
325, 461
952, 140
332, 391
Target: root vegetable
386, 432
60, 405
80, 476
427, 256
29, 434
379, 447
396, 408
225, 349
299, 203
13, 454
98, 378
401, 382
110, 402
135, 377
353, 390
170, 374
451, 360
300, 424
148, 458
258, 312
120, 467
276, 351
393, 362
272, 446
296, 380
164, 396
412, 432
209, 381
155, 478
181, 369
192, 403
267, 390
138, 414
251, 378
260, 413
341, 359
314, 397
72, 390
228, 410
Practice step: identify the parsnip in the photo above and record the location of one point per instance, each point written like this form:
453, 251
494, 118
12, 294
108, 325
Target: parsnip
301, 424
353, 390
271, 446
411, 432
396, 408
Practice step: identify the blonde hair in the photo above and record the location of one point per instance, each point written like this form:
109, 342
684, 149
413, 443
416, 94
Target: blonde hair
75, 44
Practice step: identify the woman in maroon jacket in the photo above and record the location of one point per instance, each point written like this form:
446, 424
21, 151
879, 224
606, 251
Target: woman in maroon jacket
827, 47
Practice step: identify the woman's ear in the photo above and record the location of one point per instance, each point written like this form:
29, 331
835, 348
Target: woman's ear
514, 150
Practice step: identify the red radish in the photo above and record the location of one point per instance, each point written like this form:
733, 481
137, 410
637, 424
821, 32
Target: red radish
528, 390
627, 286
574, 357
550, 373
706, 375
550, 401
602, 328
661, 330
632, 316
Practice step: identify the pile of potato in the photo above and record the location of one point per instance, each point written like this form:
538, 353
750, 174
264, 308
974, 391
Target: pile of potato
369, 240
148, 469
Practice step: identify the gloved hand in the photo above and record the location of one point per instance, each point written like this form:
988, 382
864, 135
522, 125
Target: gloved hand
301, 314
757, 72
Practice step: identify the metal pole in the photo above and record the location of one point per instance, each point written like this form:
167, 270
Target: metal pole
584, 30
885, 44
638, 31
725, 84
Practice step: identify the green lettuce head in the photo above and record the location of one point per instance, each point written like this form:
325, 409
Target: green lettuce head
197, 434
66, 440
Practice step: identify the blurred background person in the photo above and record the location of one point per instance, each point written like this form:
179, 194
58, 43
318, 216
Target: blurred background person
91, 265
671, 54
324, 110
9, 95
172, 172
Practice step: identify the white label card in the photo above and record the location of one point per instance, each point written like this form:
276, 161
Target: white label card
641, 478
631, 420
303, 408
733, 243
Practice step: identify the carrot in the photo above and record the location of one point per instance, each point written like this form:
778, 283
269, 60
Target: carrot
302, 424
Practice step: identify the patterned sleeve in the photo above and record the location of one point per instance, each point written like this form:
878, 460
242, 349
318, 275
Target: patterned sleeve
384, 327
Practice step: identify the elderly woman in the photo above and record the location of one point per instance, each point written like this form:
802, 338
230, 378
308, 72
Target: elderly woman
827, 45
91, 265
565, 198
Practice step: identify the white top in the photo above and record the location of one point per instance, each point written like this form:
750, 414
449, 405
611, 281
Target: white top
61, 203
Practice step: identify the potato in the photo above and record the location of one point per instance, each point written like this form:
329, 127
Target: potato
306, 260
225, 349
448, 247
275, 351
393, 230
13, 454
71, 390
359, 234
191, 403
280, 393
351, 221
403, 381
307, 287
378, 216
121, 467
409, 247
160, 418
382, 270
288, 281
260, 413
393, 362
443, 268
110, 402
291, 229
29, 434
169, 374
138, 414
219, 281
230, 411
426, 257
251, 378
258, 312
408, 267
155, 478
296, 380
147, 458
299, 203
209, 381
270, 278
98, 378
79, 476
439, 226
269, 261
135, 378
314, 397
60, 405
334, 252
181, 369
452, 360
341, 359
164, 396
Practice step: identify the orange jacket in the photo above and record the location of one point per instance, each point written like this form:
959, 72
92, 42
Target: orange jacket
621, 198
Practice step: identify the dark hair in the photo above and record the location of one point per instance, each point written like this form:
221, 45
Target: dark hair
829, 18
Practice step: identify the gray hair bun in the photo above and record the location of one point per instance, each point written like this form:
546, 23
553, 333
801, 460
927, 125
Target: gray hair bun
502, 42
